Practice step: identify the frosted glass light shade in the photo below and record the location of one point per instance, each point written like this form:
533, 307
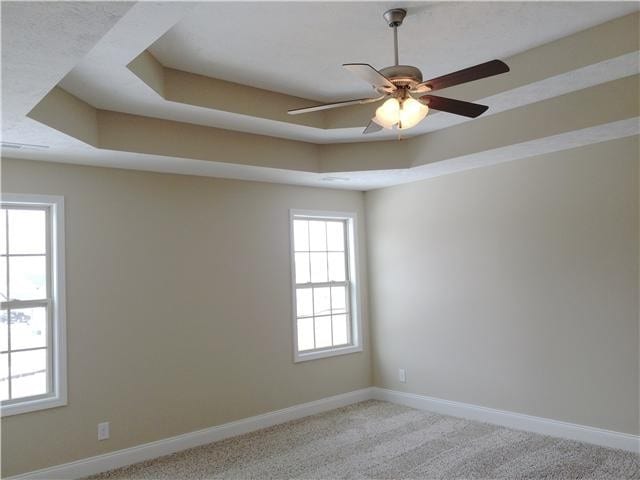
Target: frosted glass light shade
412, 113
388, 114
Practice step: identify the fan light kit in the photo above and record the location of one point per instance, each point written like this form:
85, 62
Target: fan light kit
397, 85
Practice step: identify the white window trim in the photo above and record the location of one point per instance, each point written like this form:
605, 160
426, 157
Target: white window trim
58, 396
354, 270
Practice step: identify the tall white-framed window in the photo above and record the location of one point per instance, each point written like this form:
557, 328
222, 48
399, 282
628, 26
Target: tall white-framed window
32, 308
325, 294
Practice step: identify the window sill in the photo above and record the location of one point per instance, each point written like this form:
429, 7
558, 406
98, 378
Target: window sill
315, 355
32, 406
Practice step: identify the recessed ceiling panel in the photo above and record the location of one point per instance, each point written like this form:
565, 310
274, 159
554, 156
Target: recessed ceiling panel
298, 48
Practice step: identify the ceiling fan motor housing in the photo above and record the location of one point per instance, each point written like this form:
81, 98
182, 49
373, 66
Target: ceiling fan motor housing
403, 76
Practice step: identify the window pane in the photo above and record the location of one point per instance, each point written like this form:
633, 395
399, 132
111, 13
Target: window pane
336, 267
340, 335
338, 299
301, 235
335, 236
321, 305
27, 278
4, 331
318, 267
302, 267
317, 235
28, 328
3, 279
322, 312
4, 376
28, 373
304, 302
27, 231
323, 332
305, 334
3, 231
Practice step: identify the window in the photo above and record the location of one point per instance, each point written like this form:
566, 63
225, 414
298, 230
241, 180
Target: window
32, 330
325, 298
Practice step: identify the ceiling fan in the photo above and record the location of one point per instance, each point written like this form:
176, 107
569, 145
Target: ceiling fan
399, 84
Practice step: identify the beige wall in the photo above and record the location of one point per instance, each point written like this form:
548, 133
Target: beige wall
179, 308
513, 286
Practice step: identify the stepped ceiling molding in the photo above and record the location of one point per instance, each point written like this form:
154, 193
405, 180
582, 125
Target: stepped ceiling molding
203, 88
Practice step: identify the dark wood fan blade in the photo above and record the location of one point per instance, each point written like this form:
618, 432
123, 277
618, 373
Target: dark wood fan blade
370, 75
326, 106
373, 127
484, 70
451, 105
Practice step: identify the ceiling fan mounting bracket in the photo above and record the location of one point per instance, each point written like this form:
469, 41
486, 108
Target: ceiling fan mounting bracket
395, 16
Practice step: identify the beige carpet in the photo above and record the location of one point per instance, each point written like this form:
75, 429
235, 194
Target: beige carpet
381, 440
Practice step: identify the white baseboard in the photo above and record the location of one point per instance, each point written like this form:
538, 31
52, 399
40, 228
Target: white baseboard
518, 421
128, 456
147, 451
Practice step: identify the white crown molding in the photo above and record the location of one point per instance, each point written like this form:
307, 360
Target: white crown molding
517, 421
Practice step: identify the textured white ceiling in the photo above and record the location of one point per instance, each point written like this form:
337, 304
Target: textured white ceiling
41, 42
298, 48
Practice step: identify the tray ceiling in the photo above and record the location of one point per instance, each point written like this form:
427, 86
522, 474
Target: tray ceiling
203, 88
297, 48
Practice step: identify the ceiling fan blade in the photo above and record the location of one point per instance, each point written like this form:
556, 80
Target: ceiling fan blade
484, 70
370, 75
451, 105
373, 127
326, 106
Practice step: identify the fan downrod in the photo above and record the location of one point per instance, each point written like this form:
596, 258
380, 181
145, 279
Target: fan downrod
402, 76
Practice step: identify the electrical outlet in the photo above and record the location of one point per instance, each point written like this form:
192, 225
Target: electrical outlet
103, 431
402, 375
